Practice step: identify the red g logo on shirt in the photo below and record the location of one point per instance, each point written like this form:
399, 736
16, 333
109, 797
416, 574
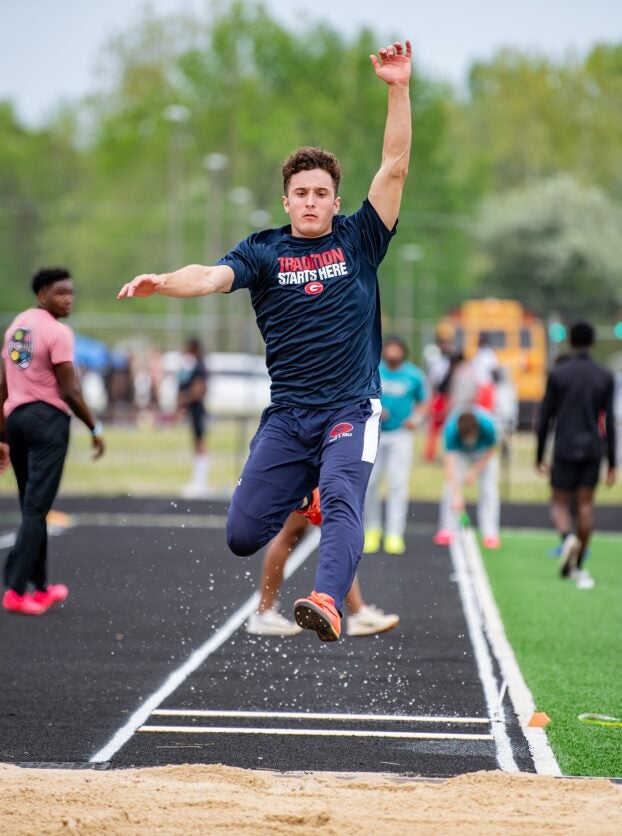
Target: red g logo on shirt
313, 288
19, 347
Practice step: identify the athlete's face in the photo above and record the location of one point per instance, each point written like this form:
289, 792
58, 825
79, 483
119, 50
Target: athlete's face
57, 298
311, 203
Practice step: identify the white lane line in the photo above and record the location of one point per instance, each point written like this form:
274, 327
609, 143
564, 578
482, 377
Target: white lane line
298, 556
7, 540
483, 659
522, 699
313, 732
304, 715
167, 520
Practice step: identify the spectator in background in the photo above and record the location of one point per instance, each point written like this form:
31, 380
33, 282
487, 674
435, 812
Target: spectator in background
439, 373
39, 389
192, 381
120, 389
506, 403
485, 367
459, 385
145, 368
506, 418
578, 403
470, 438
403, 406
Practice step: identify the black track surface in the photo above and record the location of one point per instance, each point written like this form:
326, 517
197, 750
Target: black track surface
152, 580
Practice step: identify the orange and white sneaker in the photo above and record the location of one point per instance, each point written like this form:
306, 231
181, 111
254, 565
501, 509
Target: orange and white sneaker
318, 612
312, 511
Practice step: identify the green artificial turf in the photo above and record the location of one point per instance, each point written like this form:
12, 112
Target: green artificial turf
568, 643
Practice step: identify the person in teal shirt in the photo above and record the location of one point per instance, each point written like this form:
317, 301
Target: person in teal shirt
470, 439
403, 402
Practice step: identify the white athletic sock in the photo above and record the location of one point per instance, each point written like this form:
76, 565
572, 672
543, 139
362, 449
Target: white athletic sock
200, 470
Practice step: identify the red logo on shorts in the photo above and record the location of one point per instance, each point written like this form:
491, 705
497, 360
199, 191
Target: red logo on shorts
313, 288
341, 429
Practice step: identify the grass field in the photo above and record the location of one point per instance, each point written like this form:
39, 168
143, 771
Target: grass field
156, 461
568, 643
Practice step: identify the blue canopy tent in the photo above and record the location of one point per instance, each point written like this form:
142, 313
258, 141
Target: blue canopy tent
91, 354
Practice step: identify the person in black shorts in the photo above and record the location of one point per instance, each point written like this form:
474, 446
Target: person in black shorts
314, 288
578, 403
192, 381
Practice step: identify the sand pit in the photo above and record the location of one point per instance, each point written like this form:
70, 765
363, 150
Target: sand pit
219, 799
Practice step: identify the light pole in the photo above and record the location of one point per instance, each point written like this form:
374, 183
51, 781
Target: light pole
241, 198
176, 115
405, 295
214, 165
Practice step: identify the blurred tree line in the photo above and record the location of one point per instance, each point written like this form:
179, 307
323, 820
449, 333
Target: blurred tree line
515, 185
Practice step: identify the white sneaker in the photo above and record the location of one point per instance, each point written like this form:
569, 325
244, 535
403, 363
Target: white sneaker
582, 579
571, 547
271, 623
369, 620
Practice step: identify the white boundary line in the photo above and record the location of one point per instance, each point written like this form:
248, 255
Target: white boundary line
7, 540
313, 732
522, 699
298, 556
304, 715
483, 659
136, 520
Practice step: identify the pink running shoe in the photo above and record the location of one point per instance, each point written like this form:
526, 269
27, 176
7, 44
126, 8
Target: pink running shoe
444, 537
56, 593
24, 604
491, 542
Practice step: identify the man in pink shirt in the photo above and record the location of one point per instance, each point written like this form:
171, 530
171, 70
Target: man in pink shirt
39, 389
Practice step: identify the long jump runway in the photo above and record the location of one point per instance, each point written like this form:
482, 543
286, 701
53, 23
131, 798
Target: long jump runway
148, 662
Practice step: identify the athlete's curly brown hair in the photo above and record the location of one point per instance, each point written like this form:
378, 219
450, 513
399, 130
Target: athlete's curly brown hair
308, 158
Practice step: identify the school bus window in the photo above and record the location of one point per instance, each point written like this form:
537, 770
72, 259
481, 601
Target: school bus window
526, 340
496, 339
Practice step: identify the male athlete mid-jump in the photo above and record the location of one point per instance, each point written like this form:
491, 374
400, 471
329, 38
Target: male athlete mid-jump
314, 288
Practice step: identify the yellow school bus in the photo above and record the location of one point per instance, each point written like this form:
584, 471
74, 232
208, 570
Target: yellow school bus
517, 335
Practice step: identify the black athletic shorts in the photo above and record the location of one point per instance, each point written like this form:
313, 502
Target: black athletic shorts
568, 476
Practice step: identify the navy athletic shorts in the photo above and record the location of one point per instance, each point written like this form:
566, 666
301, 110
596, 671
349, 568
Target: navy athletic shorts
294, 451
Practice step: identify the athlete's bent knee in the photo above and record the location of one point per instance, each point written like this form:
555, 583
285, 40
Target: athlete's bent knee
241, 545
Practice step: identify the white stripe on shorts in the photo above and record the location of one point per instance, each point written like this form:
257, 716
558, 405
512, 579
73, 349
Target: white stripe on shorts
372, 425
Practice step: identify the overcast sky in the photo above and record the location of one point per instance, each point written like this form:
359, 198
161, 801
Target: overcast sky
49, 48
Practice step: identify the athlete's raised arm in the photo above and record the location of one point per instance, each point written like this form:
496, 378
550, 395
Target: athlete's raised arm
193, 280
385, 194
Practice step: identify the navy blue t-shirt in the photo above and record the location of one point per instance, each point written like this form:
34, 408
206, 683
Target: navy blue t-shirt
317, 305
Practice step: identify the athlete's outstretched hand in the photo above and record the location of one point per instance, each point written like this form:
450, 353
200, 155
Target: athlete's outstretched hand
394, 65
144, 285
